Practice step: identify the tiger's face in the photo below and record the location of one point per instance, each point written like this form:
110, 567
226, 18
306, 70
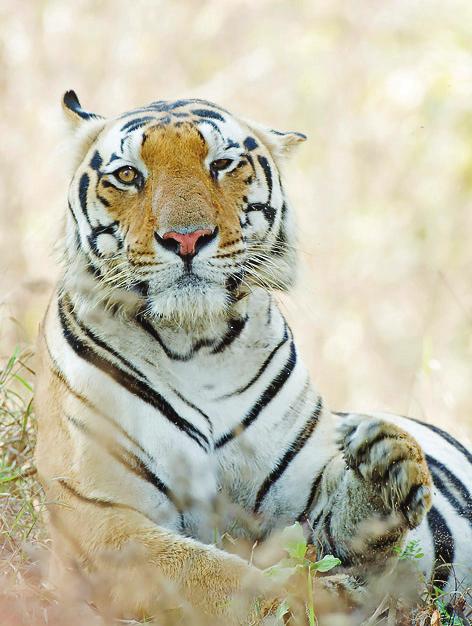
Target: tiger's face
180, 204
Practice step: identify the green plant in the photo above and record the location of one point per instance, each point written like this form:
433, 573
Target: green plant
447, 613
295, 544
412, 550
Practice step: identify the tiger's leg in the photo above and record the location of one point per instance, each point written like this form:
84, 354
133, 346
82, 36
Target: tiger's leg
140, 568
373, 493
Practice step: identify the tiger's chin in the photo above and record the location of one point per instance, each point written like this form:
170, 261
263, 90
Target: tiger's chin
190, 304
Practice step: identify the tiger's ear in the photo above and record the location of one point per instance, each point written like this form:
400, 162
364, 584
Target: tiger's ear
74, 113
84, 126
280, 144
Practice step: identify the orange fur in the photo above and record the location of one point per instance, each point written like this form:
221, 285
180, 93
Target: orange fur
178, 192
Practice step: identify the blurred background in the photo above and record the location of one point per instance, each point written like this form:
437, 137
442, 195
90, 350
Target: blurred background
382, 189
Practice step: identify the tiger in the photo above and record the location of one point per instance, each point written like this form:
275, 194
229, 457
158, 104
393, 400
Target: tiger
173, 406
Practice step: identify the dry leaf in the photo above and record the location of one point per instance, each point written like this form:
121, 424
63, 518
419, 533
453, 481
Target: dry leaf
436, 619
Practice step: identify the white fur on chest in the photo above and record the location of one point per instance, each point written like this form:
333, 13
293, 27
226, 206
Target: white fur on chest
202, 391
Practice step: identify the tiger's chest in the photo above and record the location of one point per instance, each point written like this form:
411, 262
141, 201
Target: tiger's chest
209, 429
229, 508
218, 485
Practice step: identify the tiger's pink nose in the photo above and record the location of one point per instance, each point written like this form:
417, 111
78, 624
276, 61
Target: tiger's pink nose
190, 243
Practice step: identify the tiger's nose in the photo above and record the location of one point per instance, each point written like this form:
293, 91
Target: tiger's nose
188, 243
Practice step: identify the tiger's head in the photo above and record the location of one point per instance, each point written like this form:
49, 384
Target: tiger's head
180, 205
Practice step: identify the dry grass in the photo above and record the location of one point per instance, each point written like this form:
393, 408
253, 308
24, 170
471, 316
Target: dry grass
21, 495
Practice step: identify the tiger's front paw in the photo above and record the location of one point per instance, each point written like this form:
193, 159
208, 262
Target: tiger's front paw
391, 461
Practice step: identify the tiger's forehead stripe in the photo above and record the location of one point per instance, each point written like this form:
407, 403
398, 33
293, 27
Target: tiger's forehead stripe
225, 131
164, 106
199, 112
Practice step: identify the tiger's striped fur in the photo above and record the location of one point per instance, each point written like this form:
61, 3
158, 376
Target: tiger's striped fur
171, 398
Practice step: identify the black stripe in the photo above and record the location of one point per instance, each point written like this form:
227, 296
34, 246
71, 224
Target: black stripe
114, 157
263, 367
134, 127
268, 211
59, 374
134, 386
151, 330
443, 547
73, 214
234, 281
208, 113
269, 313
233, 332
366, 446
211, 123
194, 407
254, 206
108, 229
105, 229
269, 394
207, 103
312, 496
96, 161
128, 459
140, 287
163, 121
235, 328
164, 106
328, 537
280, 245
288, 457
250, 143
99, 342
437, 468
101, 502
142, 470
83, 189
138, 121
232, 144
103, 200
264, 163
315, 521
251, 162
92, 268
445, 436
411, 498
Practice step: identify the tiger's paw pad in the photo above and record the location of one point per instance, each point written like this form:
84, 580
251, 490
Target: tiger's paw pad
390, 459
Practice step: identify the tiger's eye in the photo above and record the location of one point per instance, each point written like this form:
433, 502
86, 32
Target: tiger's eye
126, 174
220, 164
